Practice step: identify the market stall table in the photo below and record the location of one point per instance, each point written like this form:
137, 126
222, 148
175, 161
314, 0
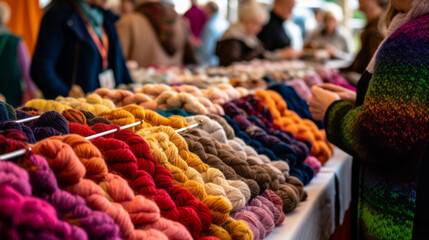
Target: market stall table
329, 197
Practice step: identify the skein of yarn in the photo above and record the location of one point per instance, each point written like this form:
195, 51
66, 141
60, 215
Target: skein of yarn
69, 172
184, 101
18, 213
209, 175
219, 207
305, 129
138, 207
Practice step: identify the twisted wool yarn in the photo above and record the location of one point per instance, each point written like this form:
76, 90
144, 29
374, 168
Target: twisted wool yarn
280, 167
47, 105
248, 140
209, 175
93, 103
83, 117
249, 153
211, 128
240, 165
49, 124
255, 225
173, 112
216, 131
133, 113
196, 145
184, 101
259, 114
252, 83
314, 164
145, 185
153, 90
251, 170
269, 206
69, 207
140, 209
11, 113
69, 172
18, 213
4, 115
223, 93
75, 116
301, 88
229, 131
295, 102
196, 92
281, 150
123, 98
146, 161
91, 119
277, 203
9, 125
219, 207
290, 121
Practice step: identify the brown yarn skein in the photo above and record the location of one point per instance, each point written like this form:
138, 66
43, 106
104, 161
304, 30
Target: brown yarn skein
196, 145
291, 192
240, 166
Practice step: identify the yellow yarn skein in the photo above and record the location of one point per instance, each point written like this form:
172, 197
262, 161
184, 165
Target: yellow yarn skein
47, 105
210, 175
167, 155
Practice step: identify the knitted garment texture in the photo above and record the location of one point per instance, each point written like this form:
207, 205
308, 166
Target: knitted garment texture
389, 133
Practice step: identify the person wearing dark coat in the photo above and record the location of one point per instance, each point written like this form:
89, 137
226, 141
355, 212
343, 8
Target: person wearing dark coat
273, 35
78, 42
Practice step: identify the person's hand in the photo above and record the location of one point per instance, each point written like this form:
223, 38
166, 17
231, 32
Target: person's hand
345, 94
132, 65
331, 50
309, 45
320, 101
289, 53
76, 91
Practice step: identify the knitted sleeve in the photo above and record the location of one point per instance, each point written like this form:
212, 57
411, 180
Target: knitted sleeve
393, 122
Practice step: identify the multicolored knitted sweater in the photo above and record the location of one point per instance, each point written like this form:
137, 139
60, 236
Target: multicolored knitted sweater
389, 133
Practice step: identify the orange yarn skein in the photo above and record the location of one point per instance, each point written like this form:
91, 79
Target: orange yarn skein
301, 128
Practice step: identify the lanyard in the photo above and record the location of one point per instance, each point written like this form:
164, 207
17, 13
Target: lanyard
102, 45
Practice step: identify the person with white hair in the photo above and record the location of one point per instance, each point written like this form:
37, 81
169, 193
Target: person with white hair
15, 82
240, 41
332, 36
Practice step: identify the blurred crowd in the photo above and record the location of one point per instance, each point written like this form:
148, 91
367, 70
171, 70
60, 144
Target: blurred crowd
82, 45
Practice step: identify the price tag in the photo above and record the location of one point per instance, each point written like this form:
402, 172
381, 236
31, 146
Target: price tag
107, 79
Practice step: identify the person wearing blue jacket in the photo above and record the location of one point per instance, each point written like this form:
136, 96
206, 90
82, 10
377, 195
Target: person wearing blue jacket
78, 49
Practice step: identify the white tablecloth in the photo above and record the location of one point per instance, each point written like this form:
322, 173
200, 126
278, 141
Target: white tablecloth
314, 219
341, 165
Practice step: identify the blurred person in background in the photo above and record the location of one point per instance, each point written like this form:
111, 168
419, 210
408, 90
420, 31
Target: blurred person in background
154, 34
332, 36
16, 85
212, 32
78, 49
240, 42
273, 35
127, 6
197, 19
371, 38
